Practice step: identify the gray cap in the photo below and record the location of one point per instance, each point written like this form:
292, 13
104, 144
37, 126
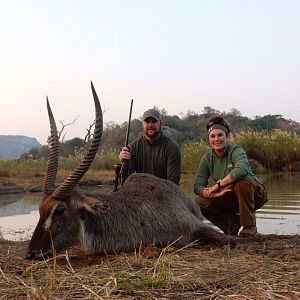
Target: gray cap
151, 113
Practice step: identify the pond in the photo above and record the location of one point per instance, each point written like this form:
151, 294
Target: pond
280, 215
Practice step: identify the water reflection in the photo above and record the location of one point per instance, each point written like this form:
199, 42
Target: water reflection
18, 215
281, 215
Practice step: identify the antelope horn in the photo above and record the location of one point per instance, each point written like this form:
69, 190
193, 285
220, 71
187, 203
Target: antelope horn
71, 181
48, 185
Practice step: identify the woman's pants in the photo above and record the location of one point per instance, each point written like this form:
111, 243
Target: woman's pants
236, 208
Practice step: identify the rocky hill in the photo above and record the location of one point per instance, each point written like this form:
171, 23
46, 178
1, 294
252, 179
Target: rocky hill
12, 146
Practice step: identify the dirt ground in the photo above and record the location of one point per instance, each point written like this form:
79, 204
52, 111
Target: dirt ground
263, 267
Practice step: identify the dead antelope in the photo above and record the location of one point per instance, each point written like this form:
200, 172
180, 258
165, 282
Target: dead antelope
146, 210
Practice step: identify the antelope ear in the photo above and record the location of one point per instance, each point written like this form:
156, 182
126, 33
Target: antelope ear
94, 205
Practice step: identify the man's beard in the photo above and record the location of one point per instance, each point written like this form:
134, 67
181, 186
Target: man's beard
154, 134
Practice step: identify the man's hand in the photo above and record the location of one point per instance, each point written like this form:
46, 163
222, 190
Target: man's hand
124, 154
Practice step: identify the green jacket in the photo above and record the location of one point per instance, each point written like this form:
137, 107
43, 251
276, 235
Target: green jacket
161, 158
234, 162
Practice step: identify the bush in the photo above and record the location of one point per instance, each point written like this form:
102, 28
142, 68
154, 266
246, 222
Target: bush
277, 150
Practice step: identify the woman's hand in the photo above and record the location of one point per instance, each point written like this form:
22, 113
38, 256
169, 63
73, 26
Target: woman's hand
223, 191
215, 192
214, 188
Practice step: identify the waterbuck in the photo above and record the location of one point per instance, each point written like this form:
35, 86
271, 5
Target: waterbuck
146, 211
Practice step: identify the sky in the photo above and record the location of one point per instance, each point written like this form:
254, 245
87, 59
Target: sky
177, 55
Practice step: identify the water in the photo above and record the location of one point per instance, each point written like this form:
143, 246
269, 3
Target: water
281, 215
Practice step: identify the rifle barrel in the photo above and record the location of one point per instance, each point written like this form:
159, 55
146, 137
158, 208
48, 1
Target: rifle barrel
125, 164
128, 127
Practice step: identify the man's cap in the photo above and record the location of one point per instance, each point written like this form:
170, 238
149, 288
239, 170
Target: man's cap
151, 113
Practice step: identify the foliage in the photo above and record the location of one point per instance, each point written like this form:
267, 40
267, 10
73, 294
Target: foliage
22, 168
22, 172
276, 150
114, 135
188, 128
271, 140
191, 154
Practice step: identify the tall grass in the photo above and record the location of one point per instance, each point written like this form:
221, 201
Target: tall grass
191, 154
22, 172
22, 168
29, 172
102, 161
276, 151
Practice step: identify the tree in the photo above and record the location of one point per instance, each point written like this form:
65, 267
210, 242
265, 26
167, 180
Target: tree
60, 133
235, 112
209, 111
183, 128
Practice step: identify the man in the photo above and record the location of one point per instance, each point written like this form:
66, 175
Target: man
153, 152
236, 193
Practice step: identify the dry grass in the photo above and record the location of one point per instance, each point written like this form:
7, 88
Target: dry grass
36, 179
264, 267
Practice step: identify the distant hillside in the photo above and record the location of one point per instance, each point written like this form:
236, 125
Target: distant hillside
12, 146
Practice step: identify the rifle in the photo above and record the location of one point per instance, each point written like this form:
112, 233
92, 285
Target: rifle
125, 164
124, 167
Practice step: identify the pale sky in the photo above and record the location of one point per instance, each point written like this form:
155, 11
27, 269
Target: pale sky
177, 55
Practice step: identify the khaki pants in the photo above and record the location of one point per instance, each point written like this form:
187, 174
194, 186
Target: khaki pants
236, 208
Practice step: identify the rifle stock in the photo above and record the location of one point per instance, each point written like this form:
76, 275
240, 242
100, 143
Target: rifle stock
117, 169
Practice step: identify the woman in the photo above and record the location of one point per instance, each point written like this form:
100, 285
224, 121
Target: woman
236, 192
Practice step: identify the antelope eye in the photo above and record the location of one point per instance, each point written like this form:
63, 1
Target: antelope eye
60, 209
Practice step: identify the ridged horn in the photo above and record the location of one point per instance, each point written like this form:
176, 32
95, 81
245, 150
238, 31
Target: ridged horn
48, 185
68, 185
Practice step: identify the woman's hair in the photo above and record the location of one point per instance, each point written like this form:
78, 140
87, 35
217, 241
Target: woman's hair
217, 120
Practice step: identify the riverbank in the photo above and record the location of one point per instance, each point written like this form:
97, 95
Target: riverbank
263, 267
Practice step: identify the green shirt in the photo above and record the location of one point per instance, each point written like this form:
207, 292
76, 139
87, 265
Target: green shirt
234, 162
161, 158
